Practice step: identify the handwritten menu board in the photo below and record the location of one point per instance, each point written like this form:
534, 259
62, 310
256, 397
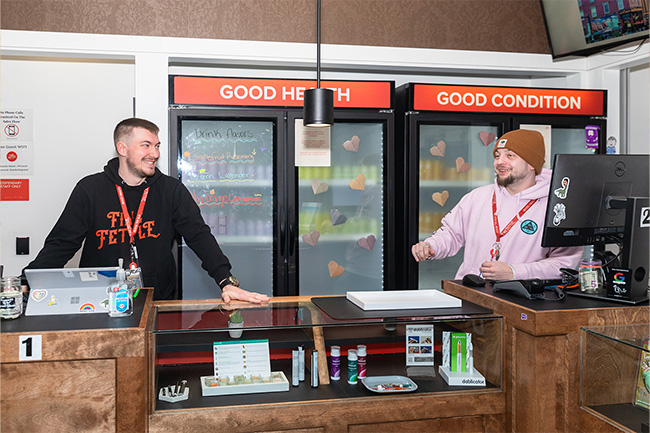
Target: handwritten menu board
228, 167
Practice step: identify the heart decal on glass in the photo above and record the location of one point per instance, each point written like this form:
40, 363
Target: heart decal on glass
487, 137
337, 217
311, 238
38, 295
358, 183
461, 165
368, 242
352, 144
440, 197
318, 186
335, 269
439, 149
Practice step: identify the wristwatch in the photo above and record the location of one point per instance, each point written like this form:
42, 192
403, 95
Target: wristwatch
230, 280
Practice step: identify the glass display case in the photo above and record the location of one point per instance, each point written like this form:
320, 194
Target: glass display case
184, 334
615, 375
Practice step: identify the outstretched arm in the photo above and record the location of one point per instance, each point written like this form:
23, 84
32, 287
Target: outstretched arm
233, 293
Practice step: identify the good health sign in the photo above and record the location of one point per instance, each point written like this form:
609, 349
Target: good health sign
508, 100
278, 93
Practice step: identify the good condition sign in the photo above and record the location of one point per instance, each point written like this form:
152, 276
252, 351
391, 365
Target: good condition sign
486, 99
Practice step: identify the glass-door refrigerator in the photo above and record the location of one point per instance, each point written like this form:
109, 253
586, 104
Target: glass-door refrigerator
287, 229
449, 134
345, 235
228, 160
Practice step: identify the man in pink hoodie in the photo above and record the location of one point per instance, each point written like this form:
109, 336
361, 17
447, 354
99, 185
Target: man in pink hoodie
500, 225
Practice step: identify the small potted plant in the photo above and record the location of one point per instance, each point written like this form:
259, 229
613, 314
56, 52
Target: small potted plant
235, 324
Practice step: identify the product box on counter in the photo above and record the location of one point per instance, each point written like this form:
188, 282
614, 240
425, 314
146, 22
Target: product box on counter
277, 382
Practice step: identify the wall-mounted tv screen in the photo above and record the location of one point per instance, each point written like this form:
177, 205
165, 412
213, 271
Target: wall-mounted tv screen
584, 27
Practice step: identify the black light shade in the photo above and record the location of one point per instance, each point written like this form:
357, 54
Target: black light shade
318, 107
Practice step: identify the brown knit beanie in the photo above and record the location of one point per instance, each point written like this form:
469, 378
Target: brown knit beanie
528, 144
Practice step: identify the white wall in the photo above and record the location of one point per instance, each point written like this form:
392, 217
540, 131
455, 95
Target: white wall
638, 110
80, 86
76, 105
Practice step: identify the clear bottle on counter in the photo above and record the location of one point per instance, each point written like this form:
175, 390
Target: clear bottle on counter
590, 275
11, 298
120, 298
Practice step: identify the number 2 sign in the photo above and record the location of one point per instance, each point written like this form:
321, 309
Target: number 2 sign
645, 217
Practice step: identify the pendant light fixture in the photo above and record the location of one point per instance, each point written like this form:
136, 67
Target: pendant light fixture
318, 109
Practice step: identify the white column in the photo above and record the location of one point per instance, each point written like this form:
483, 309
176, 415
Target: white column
152, 97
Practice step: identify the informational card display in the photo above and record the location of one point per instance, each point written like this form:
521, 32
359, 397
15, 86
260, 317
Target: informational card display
419, 345
241, 358
312, 146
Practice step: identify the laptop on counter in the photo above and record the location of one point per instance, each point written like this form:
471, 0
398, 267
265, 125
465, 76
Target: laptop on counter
68, 290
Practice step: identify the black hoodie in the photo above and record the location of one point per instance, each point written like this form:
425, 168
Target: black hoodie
93, 214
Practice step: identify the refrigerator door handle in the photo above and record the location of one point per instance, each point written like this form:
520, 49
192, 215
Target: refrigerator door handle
282, 231
292, 234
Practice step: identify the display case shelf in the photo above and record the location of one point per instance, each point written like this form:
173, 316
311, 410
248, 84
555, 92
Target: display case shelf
612, 388
183, 334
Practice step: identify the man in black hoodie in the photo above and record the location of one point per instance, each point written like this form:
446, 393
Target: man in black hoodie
133, 211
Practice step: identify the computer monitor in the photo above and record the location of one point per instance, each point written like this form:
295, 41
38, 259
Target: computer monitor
599, 200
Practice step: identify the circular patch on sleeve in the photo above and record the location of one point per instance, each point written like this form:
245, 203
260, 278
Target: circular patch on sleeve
529, 227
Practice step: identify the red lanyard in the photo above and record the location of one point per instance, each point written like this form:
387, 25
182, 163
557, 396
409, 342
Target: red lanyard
521, 213
127, 219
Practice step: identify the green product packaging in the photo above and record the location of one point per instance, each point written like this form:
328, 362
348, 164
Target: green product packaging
458, 351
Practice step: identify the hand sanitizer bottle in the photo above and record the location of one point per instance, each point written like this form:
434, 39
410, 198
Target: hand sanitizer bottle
120, 303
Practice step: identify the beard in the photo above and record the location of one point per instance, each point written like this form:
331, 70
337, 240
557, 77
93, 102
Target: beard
512, 179
137, 171
506, 181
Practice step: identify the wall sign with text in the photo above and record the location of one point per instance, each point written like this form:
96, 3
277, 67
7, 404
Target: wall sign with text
277, 93
522, 100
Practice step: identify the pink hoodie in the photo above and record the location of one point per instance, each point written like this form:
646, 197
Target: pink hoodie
470, 224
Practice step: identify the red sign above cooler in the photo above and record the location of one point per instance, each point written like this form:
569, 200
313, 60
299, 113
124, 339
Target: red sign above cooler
260, 92
522, 100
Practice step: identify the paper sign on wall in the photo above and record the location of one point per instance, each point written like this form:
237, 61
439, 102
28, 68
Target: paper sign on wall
16, 142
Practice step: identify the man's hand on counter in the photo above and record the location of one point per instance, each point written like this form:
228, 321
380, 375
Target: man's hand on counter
232, 293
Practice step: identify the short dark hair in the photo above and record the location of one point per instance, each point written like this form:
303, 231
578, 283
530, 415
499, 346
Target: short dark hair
125, 127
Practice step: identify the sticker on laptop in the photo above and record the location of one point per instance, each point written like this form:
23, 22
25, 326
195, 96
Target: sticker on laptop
562, 192
560, 213
88, 276
87, 308
38, 295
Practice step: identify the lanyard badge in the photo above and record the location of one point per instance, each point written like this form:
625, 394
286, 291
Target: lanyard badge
495, 252
134, 273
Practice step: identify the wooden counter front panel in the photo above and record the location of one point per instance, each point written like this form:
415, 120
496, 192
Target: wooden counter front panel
58, 397
542, 379
465, 411
613, 368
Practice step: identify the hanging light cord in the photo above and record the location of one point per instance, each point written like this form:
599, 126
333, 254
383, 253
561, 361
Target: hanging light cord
318, 45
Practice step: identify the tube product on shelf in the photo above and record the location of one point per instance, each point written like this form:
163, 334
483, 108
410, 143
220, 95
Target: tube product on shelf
335, 363
301, 363
361, 363
352, 367
294, 368
314, 369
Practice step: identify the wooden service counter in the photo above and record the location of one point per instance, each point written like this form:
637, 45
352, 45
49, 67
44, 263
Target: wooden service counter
542, 360
67, 373
183, 334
